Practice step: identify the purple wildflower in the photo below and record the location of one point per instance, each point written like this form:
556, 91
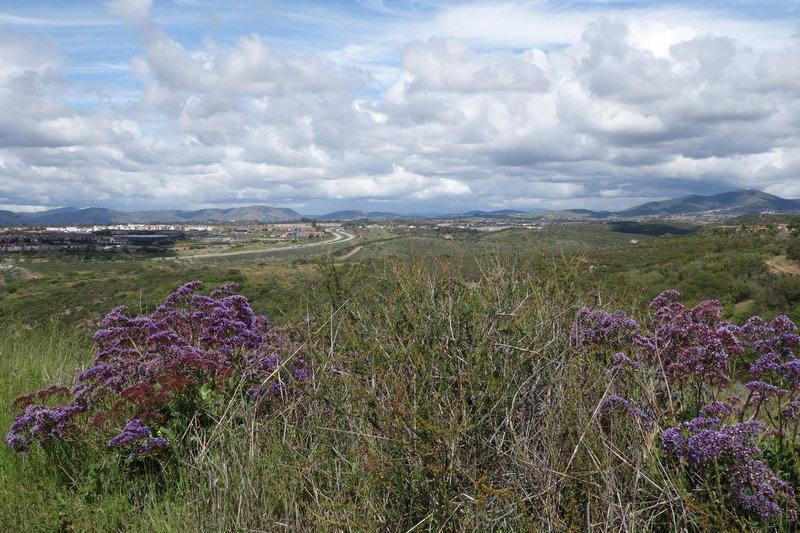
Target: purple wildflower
756, 489
41, 423
601, 327
302, 371
146, 365
136, 436
791, 411
720, 410
673, 442
763, 392
767, 362
132, 432
622, 362
612, 402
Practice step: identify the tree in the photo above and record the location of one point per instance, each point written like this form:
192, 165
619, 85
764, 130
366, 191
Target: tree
793, 250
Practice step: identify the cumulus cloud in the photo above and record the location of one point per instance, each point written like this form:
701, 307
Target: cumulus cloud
621, 109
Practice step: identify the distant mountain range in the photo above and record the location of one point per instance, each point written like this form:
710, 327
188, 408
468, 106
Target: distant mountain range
98, 215
738, 202
357, 215
718, 206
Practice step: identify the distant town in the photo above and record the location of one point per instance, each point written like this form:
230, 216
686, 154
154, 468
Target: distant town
117, 236
261, 228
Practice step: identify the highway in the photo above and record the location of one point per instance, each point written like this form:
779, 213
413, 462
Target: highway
341, 237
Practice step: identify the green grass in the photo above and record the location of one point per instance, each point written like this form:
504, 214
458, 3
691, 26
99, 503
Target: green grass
725, 264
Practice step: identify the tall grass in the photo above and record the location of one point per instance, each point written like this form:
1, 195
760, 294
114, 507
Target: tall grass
440, 402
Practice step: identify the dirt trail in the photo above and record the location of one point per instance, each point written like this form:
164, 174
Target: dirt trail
351, 252
16, 273
779, 264
744, 305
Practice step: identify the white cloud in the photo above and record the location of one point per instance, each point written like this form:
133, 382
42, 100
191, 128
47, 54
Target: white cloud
132, 11
451, 65
21, 53
512, 24
485, 105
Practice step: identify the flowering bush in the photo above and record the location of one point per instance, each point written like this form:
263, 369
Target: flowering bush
724, 398
153, 374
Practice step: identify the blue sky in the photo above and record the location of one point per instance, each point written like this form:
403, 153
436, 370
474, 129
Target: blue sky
409, 106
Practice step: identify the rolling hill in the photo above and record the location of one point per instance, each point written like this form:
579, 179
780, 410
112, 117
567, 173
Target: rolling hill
99, 215
740, 201
719, 206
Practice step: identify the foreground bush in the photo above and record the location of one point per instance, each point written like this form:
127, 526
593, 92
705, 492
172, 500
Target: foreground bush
724, 399
423, 400
154, 375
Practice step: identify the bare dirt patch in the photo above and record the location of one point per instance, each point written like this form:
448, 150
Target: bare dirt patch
351, 252
16, 273
744, 305
780, 265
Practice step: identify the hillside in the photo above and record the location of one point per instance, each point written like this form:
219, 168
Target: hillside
348, 215
731, 203
718, 206
98, 215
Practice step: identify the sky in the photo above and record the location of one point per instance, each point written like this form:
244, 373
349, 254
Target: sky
410, 106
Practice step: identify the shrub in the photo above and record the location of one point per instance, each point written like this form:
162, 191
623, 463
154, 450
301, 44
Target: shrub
725, 399
793, 249
153, 375
437, 401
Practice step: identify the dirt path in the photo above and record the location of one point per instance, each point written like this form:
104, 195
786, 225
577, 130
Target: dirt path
744, 305
351, 252
779, 264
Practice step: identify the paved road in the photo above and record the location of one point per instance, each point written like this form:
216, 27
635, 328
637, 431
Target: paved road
341, 236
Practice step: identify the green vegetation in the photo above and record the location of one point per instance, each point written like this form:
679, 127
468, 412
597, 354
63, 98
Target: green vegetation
447, 392
654, 229
729, 264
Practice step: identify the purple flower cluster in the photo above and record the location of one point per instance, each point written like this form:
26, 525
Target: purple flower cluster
707, 446
696, 356
613, 402
762, 392
623, 363
756, 488
137, 437
594, 326
705, 440
38, 422
145, 366
692, 345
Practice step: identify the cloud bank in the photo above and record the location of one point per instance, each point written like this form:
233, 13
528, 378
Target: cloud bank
501, 105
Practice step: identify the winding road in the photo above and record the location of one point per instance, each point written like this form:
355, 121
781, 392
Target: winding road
341, 236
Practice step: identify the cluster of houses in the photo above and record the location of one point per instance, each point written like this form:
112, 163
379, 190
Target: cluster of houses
108, 237
33, 241
284, 231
